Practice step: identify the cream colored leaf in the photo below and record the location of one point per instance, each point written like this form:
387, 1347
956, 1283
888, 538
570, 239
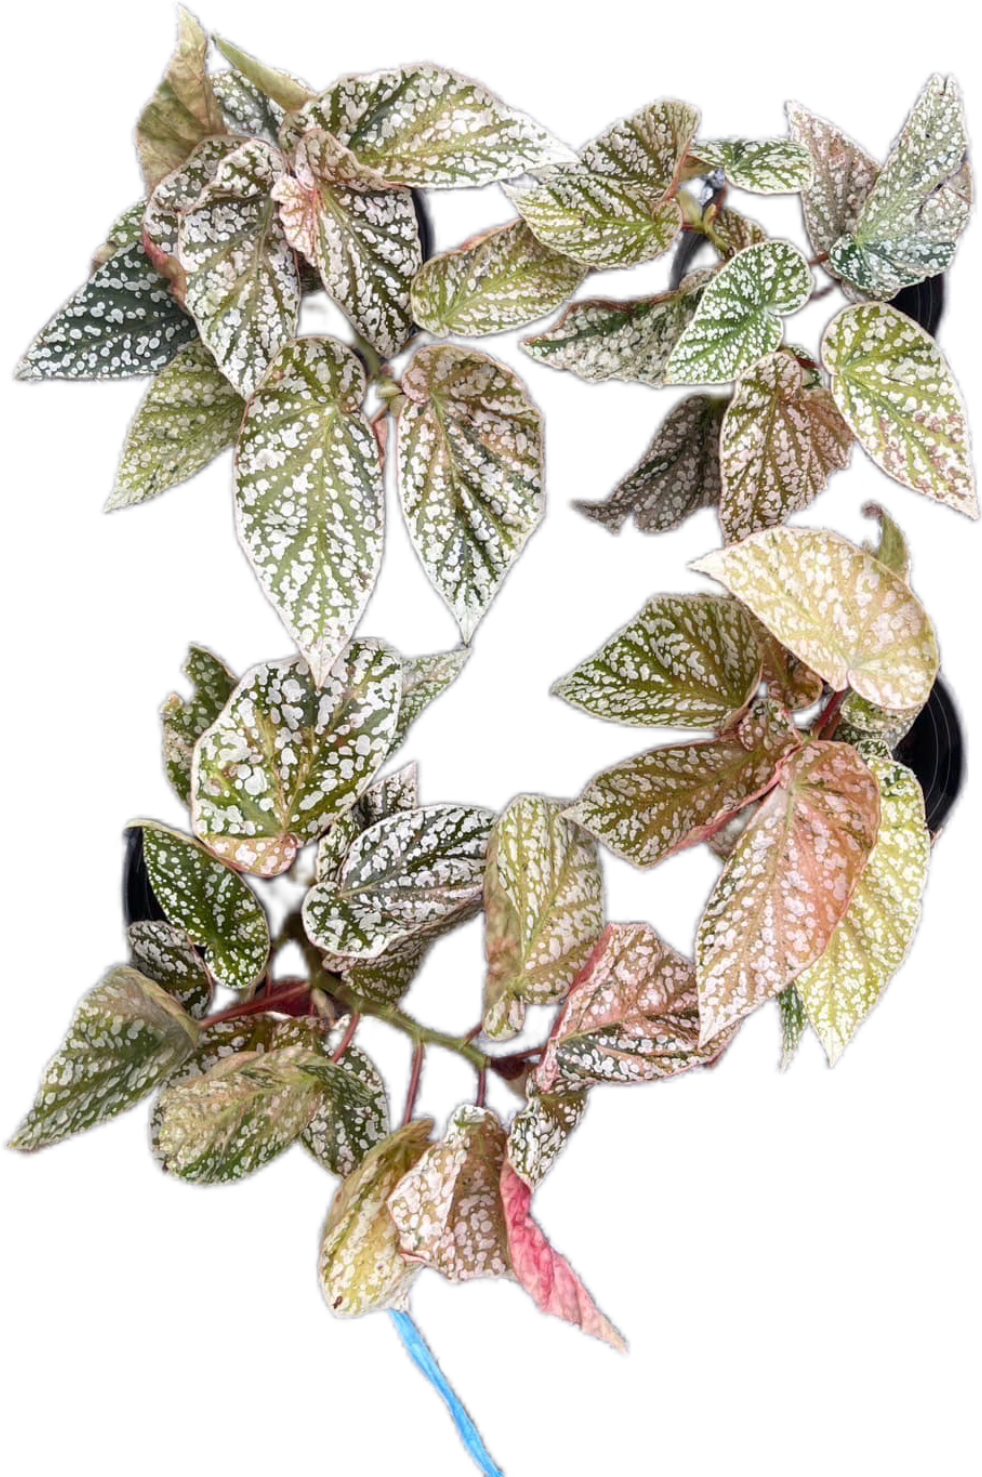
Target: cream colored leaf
183, 110
284, 90
767, 166
842, 176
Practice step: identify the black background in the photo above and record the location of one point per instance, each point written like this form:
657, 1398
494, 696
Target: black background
724, 1222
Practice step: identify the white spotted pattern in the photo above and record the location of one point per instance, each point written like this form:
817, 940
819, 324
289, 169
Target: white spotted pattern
184, 720
539, 1133
166, 955
767, 166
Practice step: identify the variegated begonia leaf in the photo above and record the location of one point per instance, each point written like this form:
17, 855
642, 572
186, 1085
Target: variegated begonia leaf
184, 720
859, 719
242, 283
501, 279
790, 682
894, 388
176, 194
739, 317
352, 1112
248, 1034
543, 909
127, 1035
730, 232
615, 207
918, 204
123, 322
872, 939
384, 979
892, 548
794, 1023
245, 110
415, 872
361, 1267
678, 474
837, 608
545, 1275
538, 1134
470, 473
285, 758
787, 883
767, 166
842, 176
363, 238
166, 955
210, 902
447, 1207
631, 1016
384, 797
189, 415
425, 126
423, 679
309, 495
285, 91
183, 110
688, 661
126, 230
599, 339
779, 444
647, 808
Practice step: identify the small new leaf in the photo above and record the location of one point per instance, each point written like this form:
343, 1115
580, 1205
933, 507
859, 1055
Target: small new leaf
767, 166
184, 720
184, 109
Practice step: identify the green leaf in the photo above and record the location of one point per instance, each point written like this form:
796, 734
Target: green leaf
184, 720
245, 110
210, 902
166, 955
789, 681
599, 339
892, 548
127, 1035
470, 473
423, 679
309, 494
364, 241
688, 661
279, 87
780, 442
500, 279
189, 415
242, 284
894, 388
653, 805
352, 1112
794, 1022
918, 204
416, 872
384, 797
767, 166
842, 176
538, 1134
543, 905
678, 474
425, 126
738, 319
285, 758
872, 939
787, 883
447, 1207
730, 232
123, 322
837, 608
126, 230
177, 194
361, 1267
384, 979
631, 1016
183, 110
612, 208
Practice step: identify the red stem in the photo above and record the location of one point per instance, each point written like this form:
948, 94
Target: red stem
269, 1000
482, 1088
413, 1092
348, 1036
828, 720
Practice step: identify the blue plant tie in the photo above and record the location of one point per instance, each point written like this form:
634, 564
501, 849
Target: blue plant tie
422, 1356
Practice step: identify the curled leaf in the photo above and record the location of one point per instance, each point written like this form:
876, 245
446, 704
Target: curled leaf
166, 955
184, 720
842, 176
538, 1134
423, 679
183, 110
280, 87
767, 166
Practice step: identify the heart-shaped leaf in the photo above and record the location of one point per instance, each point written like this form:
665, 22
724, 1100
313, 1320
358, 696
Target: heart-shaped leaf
767, 166
189, 415
501, 279
872, 939
183, 110
653, 805
739, 317
286, 758
127, 1035
895, 390
177, 194
538, 1134
842, 176
210, 902
470, 473
837, 608
543, 906
678, 474
183, 721
787, 883
780, 442
688, 661
166, 955
309, 495
423, 679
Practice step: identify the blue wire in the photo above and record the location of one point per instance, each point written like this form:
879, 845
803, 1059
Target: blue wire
422, 1357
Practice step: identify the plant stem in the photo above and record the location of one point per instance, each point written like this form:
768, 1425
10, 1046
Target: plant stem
348, 1036
289, 991
828, 719
414, 1081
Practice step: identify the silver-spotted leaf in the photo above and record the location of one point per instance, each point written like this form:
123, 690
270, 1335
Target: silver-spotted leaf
543, 908
166, 955
189, 415
177, 194
384, 797
790, 681
688, 661
894, 388
279, 87
285, 758
184, 720
352, 1111
423, 679
647, 808
842, 176
794, 1023
787, 883
766, 166
872, 939
212, 904
730, 232
501, 279
739, 317
837, 608
470, 473
183, 110
539, 1133
127, 1035
309, 495
245, 109
126, 230
384, 979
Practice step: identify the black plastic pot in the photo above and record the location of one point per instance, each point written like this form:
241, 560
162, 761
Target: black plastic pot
140, 903
935, 750
924, 302
423, 224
